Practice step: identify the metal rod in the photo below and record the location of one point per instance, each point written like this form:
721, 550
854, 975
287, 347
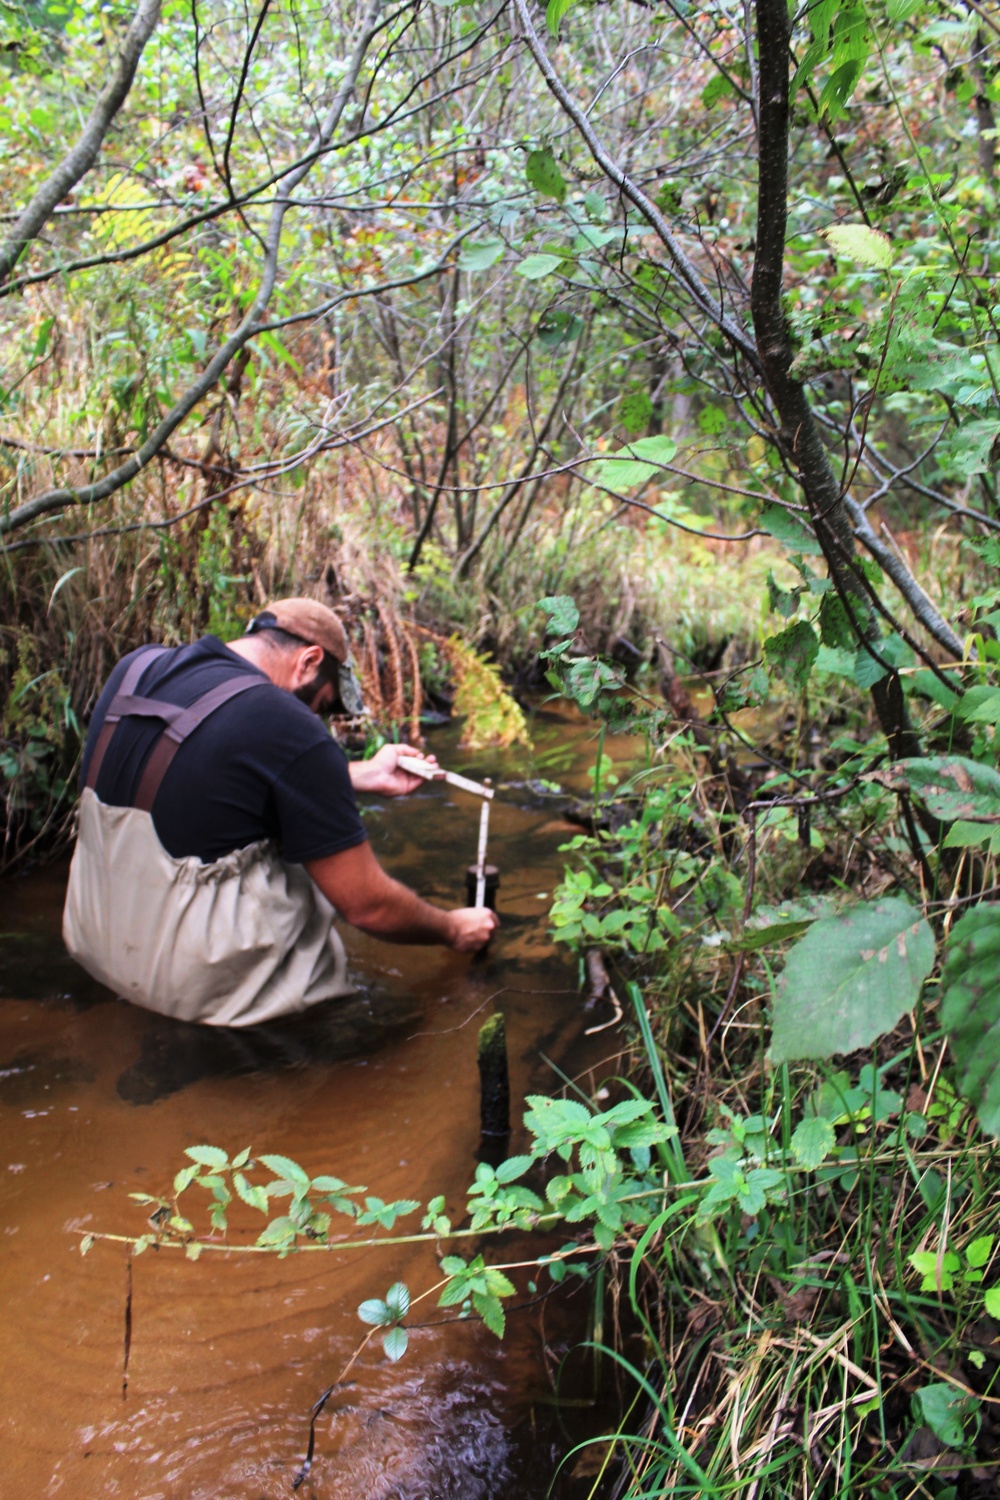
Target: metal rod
484, 828
437, 773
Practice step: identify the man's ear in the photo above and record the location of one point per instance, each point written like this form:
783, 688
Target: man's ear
307, 664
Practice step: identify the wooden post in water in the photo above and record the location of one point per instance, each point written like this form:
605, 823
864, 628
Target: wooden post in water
494, 1107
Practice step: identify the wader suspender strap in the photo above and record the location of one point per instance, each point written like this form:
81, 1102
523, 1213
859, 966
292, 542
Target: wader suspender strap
180, 722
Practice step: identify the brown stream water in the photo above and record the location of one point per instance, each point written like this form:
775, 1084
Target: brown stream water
98, 1099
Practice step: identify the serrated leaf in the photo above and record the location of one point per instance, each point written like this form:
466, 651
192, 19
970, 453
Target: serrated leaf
280, 1231
535, 267
490, 1309
543, 174
513, 1168
286, 1169
208, 1156
397, 1299
193, 1251
480, 256
812, 1142
970, 1009
375, 1312
791, 652
950, 786
869, 247
251, 1193
394, 1343
850, 979
979, 1251
636, 463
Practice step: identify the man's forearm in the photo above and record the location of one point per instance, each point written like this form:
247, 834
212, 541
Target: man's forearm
355, 883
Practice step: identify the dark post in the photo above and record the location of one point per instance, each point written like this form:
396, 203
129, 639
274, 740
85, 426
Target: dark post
494, 1108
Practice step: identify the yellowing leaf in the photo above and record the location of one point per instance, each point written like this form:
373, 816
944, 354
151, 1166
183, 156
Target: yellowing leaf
868, 246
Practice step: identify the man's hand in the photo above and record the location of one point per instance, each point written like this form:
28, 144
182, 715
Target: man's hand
473, 926
355, 883
382, 774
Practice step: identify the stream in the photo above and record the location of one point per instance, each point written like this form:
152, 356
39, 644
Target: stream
227, 1354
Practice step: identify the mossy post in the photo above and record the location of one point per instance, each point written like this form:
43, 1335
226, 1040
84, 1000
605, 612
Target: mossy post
494, 1107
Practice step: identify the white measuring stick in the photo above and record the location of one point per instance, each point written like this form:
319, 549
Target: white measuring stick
484, 825
436, 773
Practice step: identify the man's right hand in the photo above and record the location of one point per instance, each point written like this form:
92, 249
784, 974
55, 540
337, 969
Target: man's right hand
471, 928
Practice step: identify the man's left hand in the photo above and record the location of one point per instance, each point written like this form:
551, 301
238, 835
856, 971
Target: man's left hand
382, 774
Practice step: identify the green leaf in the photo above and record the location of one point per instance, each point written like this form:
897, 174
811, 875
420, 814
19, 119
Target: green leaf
513, 1168
286, 1169
375, 1312
251, 1193
850, 979
791, 652
479, 257
812, 1142
635, 410
970, 1009
394, 1343
717, 87
944, 1409
636, 463
964, 835
542, 171
397, 1299
950, 786
554, 12
563, 614
535, 267
785, 527
979, 1251
490, 1309
870, 247
980, 705
559, 327
991, 1301
207, 1156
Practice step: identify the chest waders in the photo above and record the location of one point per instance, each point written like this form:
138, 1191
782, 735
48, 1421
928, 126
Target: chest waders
242, 940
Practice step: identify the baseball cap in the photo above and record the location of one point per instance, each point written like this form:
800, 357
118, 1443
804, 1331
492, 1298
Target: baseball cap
315, 625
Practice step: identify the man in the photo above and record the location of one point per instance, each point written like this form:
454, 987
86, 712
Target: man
219, 832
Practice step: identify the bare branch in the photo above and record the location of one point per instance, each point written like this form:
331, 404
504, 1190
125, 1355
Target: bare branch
252, 324
84, 153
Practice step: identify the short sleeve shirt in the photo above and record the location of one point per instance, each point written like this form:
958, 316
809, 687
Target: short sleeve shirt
263, 766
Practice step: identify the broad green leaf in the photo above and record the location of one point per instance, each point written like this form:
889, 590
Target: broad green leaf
991, 1301
559, 327
870, 247
785, 527
979, 1251
812, 1141
791, 652
944, 1408
980, 705
850, 979
375, 1312
394, 1343
543, 174
718, 87
554, 12
481, 256
970, 1009
397, 1299
563, 614
207, 1156
490, 1309
535, 267
965, 835
949, 785
635, 464
251, 1193
513, 1168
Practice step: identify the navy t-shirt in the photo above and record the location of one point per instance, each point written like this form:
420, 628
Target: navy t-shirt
263, 766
